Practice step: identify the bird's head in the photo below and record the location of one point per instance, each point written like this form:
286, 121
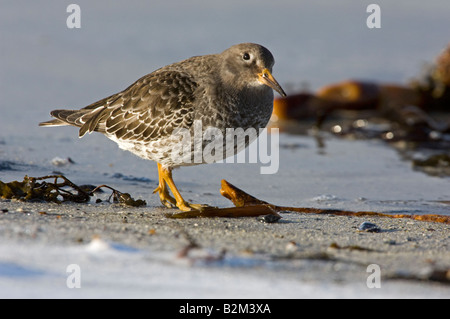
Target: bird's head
249, 64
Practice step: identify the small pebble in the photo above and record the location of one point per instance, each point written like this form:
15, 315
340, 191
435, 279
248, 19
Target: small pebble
269, 219
57, 161
292, 247
369, 227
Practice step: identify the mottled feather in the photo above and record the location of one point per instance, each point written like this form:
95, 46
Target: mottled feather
147, 109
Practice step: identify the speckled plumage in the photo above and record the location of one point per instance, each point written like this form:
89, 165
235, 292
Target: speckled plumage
232, 89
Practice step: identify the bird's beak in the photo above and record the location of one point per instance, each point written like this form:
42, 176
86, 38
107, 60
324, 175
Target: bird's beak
265, 77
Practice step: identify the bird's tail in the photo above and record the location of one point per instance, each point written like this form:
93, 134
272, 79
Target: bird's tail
86, 119
63, 117
55, 122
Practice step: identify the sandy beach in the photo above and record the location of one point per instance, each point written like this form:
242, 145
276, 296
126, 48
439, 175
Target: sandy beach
300, 256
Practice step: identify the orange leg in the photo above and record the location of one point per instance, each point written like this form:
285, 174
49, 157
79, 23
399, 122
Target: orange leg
164, 195
165, 179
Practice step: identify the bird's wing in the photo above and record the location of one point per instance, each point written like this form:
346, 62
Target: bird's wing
152, 107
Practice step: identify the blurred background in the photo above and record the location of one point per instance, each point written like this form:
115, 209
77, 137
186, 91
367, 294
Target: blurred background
45, 65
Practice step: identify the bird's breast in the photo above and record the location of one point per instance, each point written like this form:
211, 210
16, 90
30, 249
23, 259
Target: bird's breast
242, 109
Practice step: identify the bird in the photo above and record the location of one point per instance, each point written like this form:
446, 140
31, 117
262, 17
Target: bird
231, 89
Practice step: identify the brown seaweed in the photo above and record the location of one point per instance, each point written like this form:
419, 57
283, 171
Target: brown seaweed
228, 212
244, 200
58, 191
123, 198
37, 189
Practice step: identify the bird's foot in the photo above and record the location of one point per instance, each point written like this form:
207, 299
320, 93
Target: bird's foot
165, 197
187, 207
170, 202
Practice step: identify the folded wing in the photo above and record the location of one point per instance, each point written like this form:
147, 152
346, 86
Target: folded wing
150, 108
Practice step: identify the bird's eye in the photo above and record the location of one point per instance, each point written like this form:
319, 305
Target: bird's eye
246, 56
